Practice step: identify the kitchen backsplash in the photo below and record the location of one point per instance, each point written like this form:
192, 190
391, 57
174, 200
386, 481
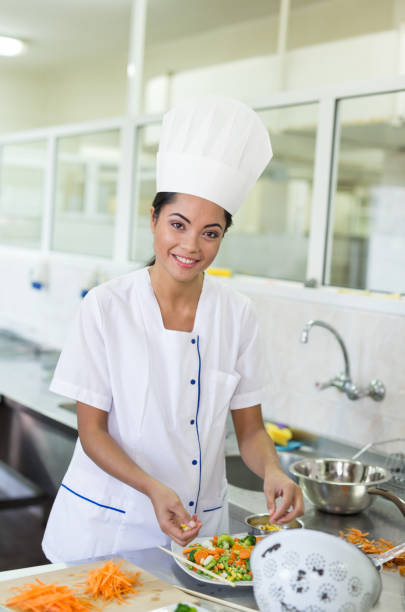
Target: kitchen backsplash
375, 344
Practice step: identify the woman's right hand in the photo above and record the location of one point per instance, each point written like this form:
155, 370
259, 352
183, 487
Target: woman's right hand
171, 514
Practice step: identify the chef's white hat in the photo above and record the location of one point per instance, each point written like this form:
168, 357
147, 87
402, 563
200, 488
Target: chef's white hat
212, 147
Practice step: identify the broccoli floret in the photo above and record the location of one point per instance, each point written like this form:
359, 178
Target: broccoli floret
225, 541
249, 540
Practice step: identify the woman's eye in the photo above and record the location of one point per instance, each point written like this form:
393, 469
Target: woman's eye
177, 225
212, 234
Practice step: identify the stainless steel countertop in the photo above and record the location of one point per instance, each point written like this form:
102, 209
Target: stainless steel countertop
381, 519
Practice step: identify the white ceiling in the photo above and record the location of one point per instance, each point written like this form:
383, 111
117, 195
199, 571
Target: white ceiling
61, 31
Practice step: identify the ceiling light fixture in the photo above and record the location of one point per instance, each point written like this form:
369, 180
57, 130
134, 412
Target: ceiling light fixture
10, 46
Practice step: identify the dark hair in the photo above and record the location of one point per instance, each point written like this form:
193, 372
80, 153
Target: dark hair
165, 197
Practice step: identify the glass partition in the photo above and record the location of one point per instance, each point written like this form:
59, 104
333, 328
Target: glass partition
86, 193
145, 177
269, 236
368, 204
271, 230
22, 188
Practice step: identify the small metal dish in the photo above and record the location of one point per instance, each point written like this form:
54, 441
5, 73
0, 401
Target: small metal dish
254, 520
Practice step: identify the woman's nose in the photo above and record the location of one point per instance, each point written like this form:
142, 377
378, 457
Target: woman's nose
190, 242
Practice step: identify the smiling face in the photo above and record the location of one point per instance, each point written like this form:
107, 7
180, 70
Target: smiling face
187, 235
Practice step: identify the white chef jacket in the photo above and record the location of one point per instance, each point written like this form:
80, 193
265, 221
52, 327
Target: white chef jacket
167, 394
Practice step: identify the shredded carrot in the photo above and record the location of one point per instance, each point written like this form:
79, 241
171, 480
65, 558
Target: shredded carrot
40, 597
355, 536
110, 583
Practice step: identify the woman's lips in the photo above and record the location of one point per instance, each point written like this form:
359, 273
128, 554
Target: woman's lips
185, 262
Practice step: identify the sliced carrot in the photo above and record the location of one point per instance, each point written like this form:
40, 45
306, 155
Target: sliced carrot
54, 597
110, 583
244, 554
200, 555
187, 550
355, 536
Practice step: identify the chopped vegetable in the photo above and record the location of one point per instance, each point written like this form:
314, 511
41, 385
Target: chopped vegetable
250, 540
228, 557
110, 583
355, 536
225, 541
268, 527
191, 556
181, 607
54, 597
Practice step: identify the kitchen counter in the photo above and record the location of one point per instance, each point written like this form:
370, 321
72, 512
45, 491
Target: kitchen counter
25, 375
378, 520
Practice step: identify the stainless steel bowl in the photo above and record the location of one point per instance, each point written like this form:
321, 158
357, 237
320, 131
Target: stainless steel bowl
342, 486
254, 520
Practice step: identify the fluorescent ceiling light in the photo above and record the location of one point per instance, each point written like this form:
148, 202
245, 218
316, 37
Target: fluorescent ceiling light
10, 46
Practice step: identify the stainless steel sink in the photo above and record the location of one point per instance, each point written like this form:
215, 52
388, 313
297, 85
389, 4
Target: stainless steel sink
239, 475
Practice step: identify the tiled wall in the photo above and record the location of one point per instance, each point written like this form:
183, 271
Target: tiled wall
376, 348
375, 343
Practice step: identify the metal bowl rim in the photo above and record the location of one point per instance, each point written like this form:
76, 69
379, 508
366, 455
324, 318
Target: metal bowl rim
266, 514
386, 473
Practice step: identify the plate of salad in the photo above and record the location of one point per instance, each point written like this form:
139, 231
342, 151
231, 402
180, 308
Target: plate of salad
225, 555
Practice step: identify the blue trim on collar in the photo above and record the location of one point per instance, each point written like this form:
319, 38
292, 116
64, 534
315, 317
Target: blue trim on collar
91, 500
212, 509
196, 419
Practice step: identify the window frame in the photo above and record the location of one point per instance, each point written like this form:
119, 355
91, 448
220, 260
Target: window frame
324, 181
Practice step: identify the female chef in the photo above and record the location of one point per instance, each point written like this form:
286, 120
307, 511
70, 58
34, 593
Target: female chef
156, 359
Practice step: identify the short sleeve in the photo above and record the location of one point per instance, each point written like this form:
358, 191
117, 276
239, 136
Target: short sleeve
251, 364
82, 370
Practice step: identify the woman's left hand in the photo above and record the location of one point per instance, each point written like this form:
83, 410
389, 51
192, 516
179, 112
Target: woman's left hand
277, 484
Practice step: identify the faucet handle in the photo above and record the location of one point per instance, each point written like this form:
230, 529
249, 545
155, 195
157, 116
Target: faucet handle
376, 390
321, 386
338, 381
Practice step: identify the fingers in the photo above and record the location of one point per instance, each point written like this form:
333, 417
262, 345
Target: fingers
178, 524
292, 504
281, 511
182, 537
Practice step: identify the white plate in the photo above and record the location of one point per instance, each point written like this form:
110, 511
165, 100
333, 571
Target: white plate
172, 607
206, 541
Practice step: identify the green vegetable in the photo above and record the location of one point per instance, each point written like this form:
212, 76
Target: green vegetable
225, 541
248, 565
185, 608
192, 553
249, 540
211, 564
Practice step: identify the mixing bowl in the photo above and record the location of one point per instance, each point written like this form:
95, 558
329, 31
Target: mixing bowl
342, 486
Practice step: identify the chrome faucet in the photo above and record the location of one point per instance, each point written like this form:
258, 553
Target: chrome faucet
343, 381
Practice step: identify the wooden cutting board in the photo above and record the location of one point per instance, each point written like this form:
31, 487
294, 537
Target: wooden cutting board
154, 593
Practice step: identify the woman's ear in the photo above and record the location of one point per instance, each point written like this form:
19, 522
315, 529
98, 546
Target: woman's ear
153, 220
